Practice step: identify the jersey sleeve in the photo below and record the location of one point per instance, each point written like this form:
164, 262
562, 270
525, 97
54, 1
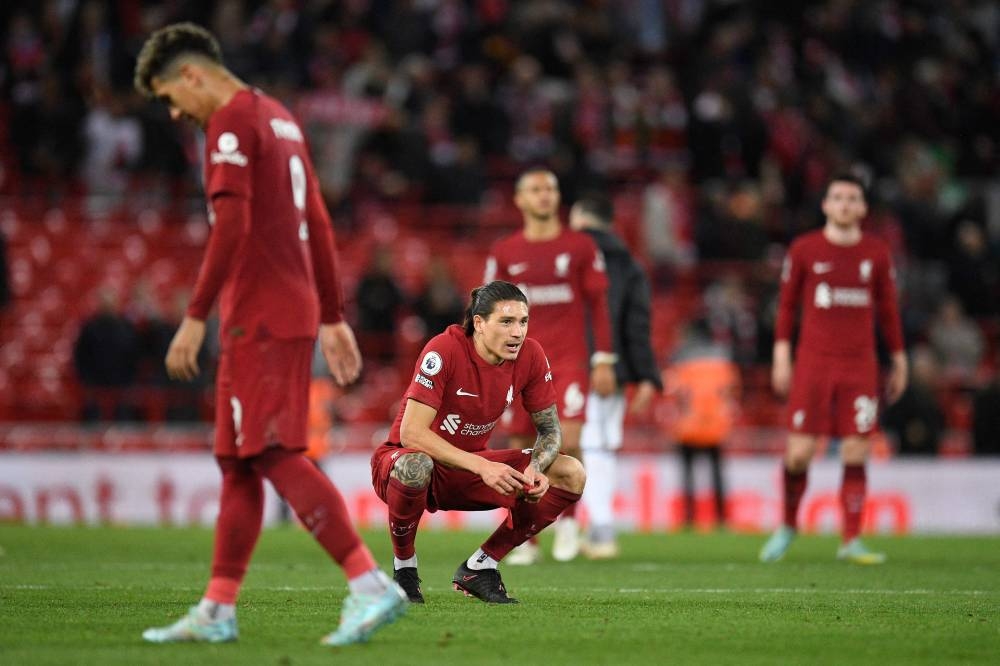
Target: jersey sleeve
230, 228
538, 393
231, 148
594, 284
323, 252
792, 274
636, 344
887, 304
433, 369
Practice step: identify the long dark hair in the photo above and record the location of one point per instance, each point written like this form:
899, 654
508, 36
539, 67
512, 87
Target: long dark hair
483, 299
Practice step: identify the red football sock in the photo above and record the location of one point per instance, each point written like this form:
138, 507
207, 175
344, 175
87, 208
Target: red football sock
241, 510
406, 506
569, 512
527, 519
853, 489
795, 487
319, 505
223, 590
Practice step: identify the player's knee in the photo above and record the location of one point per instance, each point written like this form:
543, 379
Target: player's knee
799, 453
413, 470
796, 463
567, 473
854, 450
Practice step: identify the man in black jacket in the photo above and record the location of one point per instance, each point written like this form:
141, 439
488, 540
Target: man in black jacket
629, 305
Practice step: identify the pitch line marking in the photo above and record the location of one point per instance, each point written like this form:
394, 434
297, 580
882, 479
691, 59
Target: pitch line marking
605, 590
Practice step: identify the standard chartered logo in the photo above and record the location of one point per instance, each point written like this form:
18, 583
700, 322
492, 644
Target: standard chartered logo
451, 423
851, 297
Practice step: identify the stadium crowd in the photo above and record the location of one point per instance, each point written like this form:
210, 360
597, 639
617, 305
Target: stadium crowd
714, 124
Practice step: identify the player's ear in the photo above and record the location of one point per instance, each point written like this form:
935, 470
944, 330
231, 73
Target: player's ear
189, 73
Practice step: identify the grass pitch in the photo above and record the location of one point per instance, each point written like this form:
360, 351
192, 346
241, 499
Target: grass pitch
83, 596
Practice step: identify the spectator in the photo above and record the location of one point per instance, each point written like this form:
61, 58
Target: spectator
626, 115
530, 110
668, 222
439, 304
462, 180
475, 113
730, 225
54, 145
732, 317
956, 340
666, 118
23, 64
973, 274
916, 421
379, 301
703, 384
113, 143
181, 401
986, 419
106, 357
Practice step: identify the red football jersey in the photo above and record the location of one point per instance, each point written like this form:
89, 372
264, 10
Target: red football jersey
566, 286
471, 394
281, 269
841, 290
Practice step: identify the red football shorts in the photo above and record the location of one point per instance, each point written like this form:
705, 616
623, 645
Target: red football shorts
262, 396
571, 386
835, 397
452, 489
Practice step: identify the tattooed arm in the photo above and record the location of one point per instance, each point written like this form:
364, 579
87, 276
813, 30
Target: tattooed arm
544, 454
549, 439
416, 433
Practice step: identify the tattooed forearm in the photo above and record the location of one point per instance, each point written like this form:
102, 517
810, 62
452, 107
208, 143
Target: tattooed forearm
413, 470
549, 437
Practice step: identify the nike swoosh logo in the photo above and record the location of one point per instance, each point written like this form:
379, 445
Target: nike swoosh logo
468, 578
471, 395
821, 268
517, 269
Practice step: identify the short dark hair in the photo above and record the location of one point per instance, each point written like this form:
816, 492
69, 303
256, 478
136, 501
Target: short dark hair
531, 171
598, 207
847, 178
166, 45
483, 299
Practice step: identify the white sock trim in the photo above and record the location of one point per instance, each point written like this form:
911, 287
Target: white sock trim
370, 582
480, 560
398, 564
213, 611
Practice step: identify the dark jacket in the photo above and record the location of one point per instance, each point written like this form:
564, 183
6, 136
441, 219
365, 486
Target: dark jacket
629, 304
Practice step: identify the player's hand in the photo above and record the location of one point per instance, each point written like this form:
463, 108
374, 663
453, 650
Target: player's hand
182, 356
536, 486
781, 370
781, 377
602, 379
898, 377
642, 397
340, 349
502, 478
